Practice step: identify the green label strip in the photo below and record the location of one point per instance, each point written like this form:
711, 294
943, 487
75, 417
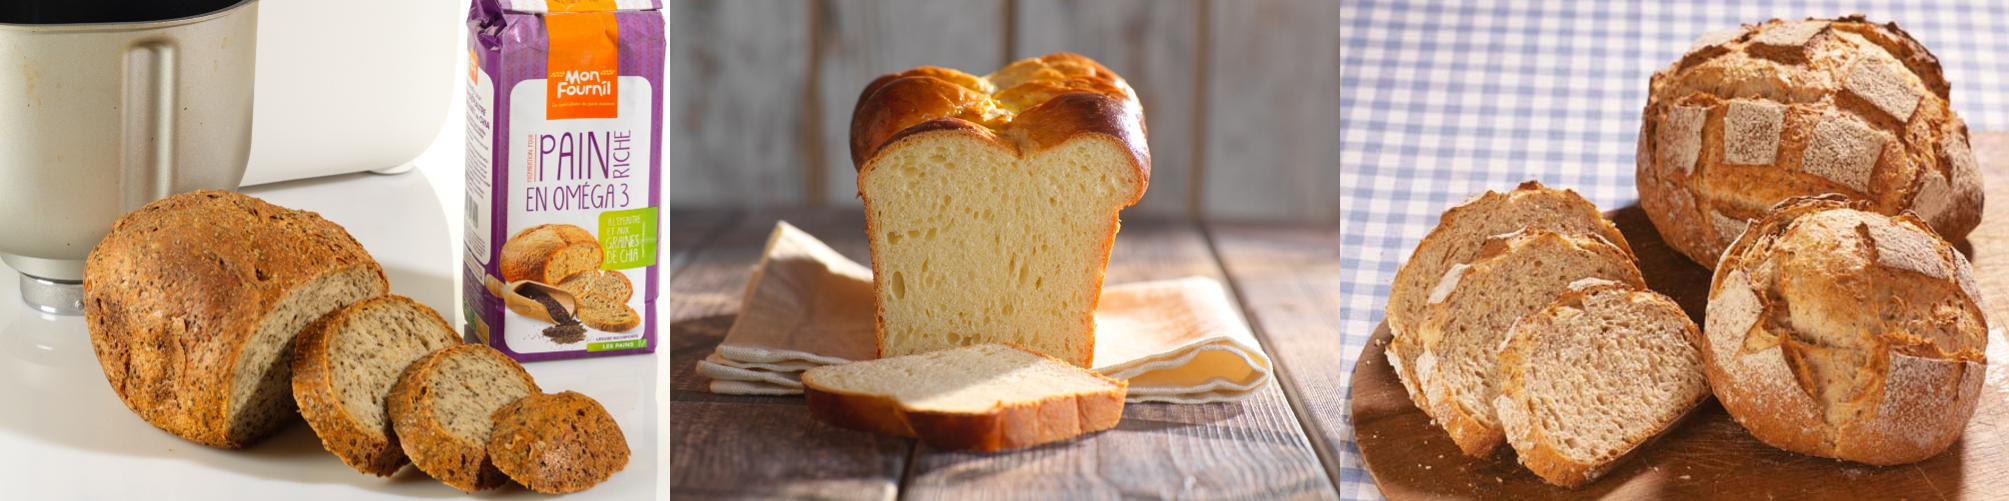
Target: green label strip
626, 344
629, 236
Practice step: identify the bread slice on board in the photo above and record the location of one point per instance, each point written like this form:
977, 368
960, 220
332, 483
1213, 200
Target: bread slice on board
1595, 375
557, 443
1472, 307
441, 410
983, 397
345, 365
193, 302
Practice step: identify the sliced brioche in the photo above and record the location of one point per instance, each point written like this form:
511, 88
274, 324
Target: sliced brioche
1593, 376
991, 202
598, 312
345, 366
983, 397
549, 253
610, 284
1471, 308
441, 409
557, 443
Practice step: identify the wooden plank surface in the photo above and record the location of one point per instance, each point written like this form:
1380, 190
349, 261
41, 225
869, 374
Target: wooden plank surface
1253, 449
735, 126
1271, 125
691, 228
1154, 45
1709, 455
858, 40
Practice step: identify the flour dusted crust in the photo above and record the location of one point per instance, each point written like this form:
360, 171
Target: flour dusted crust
1843, 333
1801, 108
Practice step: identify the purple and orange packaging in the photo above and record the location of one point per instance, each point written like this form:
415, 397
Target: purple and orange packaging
564, 126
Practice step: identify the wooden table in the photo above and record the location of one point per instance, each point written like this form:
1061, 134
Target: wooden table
1275, 445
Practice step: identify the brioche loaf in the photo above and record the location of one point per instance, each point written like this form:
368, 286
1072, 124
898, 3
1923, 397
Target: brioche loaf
344, 367
1470, 309
1594, 375
550, 253
1843, 333
991, 202
442, 408
983, 397
193, 302
1757, 114
557, 443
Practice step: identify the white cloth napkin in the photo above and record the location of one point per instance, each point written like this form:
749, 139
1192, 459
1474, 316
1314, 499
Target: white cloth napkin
805, 306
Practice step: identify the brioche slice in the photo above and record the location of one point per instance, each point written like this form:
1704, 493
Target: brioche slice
345, 365
983, 397
1459, 236
441, 409
610, 284
1599, 372
1471, 309
598, 312
550, 253
557, 443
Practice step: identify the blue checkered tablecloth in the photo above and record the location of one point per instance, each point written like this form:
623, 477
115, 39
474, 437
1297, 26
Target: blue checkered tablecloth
1443, 99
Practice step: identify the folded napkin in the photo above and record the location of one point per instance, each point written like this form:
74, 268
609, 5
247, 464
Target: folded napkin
1176, 341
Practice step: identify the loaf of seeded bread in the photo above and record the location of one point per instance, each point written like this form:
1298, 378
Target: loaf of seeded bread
1844, 333
983, 397
1756, 114
193, 302
1595, 375
550, 253
609, 284
442, 408
1470, 309
557, 443
991, 202
344, 367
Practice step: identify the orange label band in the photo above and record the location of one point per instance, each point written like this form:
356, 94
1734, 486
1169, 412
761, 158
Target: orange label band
584, 65
579, 5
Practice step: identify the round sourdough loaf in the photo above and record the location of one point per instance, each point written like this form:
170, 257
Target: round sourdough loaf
1843, 333
1756, 114
193, 302
550, 253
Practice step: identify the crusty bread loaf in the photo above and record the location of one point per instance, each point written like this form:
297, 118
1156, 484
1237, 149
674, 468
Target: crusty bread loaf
1459, 236
441, 409
557, 443
550, 253
1471, 308
598, 312
343, 369
1842, 333
609, 284
1597, 373
991, 202
1757, 114
193, 302
983, 397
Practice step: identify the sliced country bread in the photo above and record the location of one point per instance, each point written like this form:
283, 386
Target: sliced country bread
345, 365
1472, 307
611, 284
549, 253
1459, 236
441, 409
982, 397
557, 443
598, 312
1599, 372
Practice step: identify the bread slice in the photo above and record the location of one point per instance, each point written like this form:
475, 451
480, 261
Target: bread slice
344, 367
983, 397
557, 443
610, 284
1471, 309
598, 312
441, 408
1590, 378
991, 202
550, 253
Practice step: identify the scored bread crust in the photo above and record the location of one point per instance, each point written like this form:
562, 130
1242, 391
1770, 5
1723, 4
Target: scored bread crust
1901, 332
369, 451
557, 443
1008, 425
175, 293
527, 255
1537, 448
463, 464
1757, 114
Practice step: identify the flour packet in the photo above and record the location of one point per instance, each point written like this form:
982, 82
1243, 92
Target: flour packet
564, 126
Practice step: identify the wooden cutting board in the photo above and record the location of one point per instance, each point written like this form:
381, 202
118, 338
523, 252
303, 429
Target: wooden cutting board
1708, 456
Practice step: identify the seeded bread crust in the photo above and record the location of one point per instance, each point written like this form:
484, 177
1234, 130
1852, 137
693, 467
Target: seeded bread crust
316, 386
557, 443
1756, 114
601, 313
609, 284
1838, 332
1009, 425
463, 464
550, 253
175, 294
